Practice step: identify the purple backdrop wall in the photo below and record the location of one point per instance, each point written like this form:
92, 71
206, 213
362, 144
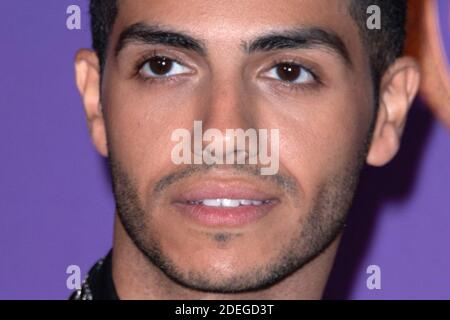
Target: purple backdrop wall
56, 206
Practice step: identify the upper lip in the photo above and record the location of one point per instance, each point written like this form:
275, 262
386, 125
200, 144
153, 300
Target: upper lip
213, 189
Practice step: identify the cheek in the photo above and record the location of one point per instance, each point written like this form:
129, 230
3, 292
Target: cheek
140, 120
320, 139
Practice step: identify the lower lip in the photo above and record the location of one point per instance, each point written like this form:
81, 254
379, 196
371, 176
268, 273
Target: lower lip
220, 216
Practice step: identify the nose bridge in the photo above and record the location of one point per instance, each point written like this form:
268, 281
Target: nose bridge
228, 105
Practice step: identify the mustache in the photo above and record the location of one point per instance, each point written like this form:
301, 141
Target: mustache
281, 180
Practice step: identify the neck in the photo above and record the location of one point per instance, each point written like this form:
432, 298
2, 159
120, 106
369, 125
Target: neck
135, 277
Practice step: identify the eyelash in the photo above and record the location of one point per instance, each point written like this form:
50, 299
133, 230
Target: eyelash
145, 59
285, 85
299, 86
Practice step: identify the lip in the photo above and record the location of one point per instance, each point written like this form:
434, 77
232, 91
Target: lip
224, 216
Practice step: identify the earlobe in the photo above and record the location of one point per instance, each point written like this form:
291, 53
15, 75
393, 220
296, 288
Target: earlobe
398, 89
88, 83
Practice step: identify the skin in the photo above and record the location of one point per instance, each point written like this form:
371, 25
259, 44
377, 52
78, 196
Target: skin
323, 145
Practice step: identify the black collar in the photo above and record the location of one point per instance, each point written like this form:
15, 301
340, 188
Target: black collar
99, 284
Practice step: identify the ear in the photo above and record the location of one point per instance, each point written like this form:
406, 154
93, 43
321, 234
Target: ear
87, 70
398, 88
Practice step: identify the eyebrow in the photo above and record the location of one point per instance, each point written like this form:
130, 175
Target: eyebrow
301, 38
297, 38
154, 34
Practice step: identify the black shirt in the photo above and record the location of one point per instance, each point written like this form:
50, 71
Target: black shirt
98, 284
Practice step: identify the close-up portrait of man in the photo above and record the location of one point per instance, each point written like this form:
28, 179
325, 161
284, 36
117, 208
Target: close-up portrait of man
226, 150
338, 92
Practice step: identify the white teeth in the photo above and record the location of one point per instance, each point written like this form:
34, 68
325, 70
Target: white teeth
211, 202
245, 202
229, 203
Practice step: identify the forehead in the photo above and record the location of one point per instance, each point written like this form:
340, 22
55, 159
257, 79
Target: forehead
228, 20
225, 24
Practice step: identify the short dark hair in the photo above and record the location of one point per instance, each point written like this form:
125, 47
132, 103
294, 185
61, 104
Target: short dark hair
383, 45
386, 44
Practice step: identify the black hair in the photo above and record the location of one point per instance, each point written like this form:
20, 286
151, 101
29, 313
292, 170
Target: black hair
103, 15
386, 44
382, 45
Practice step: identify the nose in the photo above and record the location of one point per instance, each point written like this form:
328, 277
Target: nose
228, 111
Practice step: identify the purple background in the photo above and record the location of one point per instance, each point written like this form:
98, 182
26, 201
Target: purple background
56, 206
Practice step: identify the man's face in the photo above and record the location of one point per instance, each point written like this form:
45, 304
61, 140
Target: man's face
323, 110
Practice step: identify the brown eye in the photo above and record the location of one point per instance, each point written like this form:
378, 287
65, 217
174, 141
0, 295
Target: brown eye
290, 72
159, 66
